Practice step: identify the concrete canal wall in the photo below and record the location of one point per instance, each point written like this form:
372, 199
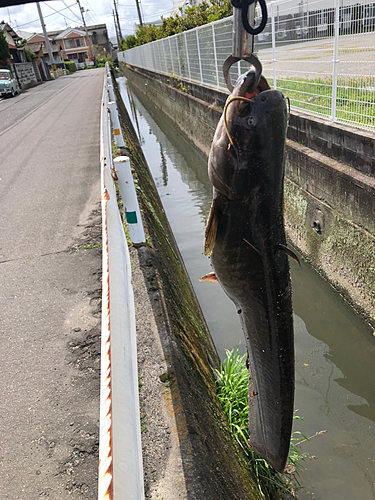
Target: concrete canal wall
329, 185
188, 450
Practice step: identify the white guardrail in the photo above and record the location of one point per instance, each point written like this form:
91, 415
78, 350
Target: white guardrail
120, 451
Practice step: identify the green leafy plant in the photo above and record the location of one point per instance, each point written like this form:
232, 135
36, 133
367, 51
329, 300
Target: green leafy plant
4, 50
30, 55
232, 392
191, 17
70, 66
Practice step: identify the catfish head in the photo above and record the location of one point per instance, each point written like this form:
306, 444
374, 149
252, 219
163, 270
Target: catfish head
248, 147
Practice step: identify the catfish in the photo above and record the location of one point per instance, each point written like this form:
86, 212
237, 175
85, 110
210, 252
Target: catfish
246, 242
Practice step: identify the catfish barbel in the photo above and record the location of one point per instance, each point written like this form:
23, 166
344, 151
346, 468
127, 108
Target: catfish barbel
246, 241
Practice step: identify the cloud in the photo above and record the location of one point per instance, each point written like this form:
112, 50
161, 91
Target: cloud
25, 17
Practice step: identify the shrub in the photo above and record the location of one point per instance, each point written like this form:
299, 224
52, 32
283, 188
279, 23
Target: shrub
70, 66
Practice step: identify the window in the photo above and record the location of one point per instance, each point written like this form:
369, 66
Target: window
79, 42
4, 75
72, 56
69, 44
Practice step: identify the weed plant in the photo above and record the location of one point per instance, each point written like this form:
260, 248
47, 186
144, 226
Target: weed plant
232, 391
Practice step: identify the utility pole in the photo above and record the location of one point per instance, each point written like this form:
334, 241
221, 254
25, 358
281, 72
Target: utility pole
115, 23
49, 50
82, 10
139, 13
118, 21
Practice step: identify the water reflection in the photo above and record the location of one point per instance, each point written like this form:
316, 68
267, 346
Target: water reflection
163, 166
335, 379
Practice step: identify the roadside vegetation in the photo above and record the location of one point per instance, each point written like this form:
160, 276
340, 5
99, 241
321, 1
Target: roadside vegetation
205, 12
355, 102
232, 391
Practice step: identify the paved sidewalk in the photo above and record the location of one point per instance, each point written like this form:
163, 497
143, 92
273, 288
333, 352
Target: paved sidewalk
50, 289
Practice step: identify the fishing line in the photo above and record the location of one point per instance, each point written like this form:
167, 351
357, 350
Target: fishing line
229, 100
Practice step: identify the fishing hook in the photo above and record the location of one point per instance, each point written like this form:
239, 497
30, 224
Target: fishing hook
252, 59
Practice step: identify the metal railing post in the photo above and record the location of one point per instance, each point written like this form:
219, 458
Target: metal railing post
187, 55
273, 44
112, 108
335, 61
111, 93
214, 46
199, 56
165, 57
129, 199
170, 51
178, 55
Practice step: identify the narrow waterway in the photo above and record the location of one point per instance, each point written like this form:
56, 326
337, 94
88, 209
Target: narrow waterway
335, 349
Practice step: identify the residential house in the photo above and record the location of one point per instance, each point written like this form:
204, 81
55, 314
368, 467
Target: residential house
37, 48
75, 46
17, 54
99, 36
35, 42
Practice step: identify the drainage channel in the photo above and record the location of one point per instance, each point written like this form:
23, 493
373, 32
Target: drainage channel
335, 349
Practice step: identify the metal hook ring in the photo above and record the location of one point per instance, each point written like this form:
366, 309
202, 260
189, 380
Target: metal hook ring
245, 19
253, 60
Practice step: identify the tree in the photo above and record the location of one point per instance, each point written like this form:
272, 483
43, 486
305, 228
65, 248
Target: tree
128, 42
4, 50
191, 17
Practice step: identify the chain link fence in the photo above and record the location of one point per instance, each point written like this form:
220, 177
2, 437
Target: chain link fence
320, 53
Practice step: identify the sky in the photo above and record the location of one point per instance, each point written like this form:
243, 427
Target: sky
25, 17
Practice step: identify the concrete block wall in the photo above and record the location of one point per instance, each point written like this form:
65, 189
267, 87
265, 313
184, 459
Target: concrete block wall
25, 74
330, 205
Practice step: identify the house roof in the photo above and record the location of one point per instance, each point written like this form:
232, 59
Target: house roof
68, 31
25, 34
55, 49
35, 47
10, 30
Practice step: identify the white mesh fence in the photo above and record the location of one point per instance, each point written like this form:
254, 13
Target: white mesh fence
320, 53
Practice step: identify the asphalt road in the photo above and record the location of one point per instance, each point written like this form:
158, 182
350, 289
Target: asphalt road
50, 289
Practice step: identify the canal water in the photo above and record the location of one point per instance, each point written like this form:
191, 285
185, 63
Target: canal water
335, 349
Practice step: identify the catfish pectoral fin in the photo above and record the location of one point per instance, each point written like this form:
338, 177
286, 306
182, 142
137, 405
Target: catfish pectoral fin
211, 230
289, 252
209, 278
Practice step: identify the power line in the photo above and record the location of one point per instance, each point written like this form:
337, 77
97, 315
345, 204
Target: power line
151, 16
58, 12
98, 20
38, 20
74, 14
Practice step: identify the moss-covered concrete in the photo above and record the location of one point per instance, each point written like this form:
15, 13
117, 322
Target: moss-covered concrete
338, 198
214, 468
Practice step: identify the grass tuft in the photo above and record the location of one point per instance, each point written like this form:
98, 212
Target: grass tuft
232, 392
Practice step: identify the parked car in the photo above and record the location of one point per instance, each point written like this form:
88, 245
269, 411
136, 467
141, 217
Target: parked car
8, 84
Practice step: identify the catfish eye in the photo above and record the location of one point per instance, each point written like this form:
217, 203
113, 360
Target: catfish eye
251, 121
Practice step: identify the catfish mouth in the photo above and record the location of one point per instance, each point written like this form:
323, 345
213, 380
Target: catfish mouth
245, 88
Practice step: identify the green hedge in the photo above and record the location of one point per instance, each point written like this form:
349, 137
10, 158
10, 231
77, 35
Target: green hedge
70, 66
